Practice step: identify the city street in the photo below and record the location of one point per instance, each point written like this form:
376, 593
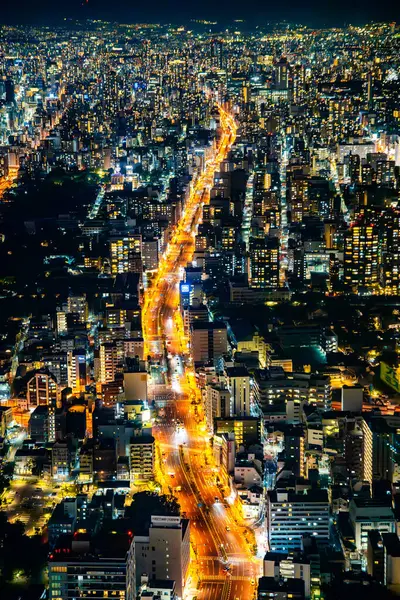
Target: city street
223, 565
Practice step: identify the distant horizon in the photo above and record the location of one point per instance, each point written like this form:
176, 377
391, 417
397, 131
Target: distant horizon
333, 14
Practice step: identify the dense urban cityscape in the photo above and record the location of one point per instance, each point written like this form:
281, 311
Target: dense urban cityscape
199, 311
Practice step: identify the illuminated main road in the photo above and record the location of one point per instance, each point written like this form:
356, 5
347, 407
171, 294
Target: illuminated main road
219, 540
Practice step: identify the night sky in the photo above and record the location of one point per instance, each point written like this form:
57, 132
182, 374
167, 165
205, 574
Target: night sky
311, 12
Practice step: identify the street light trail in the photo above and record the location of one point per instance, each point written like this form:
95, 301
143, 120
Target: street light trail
218, 539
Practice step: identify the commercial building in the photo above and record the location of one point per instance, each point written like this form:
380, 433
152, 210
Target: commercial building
358, 449
125, 250
102, 567
164, 551
142, 458
208, 341
217, 402
247, 430
361, 257
238, 381
264, 263
42, 390
291, 516
275, 386
288, 566
366, 514
278, 589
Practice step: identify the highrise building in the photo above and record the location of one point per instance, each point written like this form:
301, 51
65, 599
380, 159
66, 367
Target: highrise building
281, 74
125, 251
390, 267
79, 306
111, 359
361, 257
209, 341
217, 402
290, 516
42, 390
264, 263
238, 381
77, 370
358, 449
102, 567
142, 454
164, 552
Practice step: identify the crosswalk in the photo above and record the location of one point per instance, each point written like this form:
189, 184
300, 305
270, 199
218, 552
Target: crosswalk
223, 578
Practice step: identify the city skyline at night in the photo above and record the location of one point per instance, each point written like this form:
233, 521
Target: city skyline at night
199, 302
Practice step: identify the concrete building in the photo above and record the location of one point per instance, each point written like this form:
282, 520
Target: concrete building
209, 341
60, 460
142, 458
375, 555
135, 383
103, 567
164, 552
366, 514
217, 402
285, 566
150, 253
278, 589
238, 380
77, 371
274, 385
358, 449
41, 390
79, 306
352, 398
124, 250
111, 359
246, 430
291, 515
383, 559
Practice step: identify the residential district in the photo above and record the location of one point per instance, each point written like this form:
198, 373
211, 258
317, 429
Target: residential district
199, 311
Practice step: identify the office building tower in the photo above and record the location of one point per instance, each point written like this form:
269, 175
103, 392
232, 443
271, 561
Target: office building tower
217, 402
294, 442
111, 357
164, 552
125, 250
42, 390
291, 516
61, 321
10, 91
281, 74
78, 305
150, 253
300, 205
367, 514
390, 264
76, 370
358, 449
102, 567
385, 448
361, 257
238, 382
209, 341
264, 263
142, 454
